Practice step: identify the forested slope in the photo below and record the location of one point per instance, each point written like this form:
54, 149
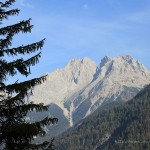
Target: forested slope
126, 126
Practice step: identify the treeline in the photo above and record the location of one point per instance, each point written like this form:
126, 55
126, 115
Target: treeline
122, 127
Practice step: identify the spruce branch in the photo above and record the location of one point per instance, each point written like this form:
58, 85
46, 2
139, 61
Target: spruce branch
6, 42
46, 121
20, 65
23, 49
7, 3
5, 14
18, 87
23, 26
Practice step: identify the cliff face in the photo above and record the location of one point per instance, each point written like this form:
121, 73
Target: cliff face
65, 84
116, 79
81, 87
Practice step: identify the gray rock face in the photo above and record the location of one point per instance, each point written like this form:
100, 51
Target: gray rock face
81, 87
116, 79
63, 85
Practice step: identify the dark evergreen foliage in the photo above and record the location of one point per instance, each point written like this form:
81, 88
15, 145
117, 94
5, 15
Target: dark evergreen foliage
122, 127
15, 132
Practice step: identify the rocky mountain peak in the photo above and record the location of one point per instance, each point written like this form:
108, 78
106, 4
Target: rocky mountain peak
116, 79
86, 60
127, 65
120, 65
124, 60
80, 87
63, 83
77, 62
74, 62
80, 70
105, 60
127, 58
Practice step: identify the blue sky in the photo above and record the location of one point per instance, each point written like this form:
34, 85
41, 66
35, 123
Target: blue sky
86, 28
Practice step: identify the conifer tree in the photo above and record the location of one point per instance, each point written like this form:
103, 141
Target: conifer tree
15, 132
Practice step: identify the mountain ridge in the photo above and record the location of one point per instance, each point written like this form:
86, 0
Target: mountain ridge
81, 87
119, 72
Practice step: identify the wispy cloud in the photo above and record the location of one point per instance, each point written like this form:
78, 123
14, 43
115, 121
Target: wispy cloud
24, 3
72, 33
140, 17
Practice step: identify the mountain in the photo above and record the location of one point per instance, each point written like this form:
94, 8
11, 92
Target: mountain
116, 79
62, 85
120, 127
81, 87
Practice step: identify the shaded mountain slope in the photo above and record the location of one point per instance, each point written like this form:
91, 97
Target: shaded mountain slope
124, 127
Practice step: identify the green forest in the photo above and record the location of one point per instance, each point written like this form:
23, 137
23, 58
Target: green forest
121, 127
